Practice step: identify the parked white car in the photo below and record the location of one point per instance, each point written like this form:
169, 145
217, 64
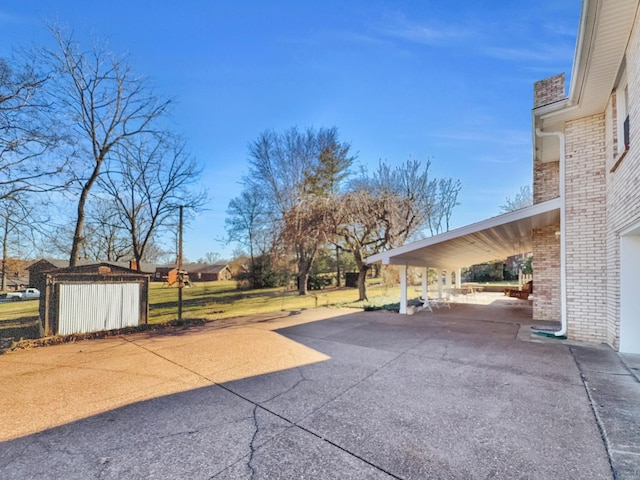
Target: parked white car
25, 294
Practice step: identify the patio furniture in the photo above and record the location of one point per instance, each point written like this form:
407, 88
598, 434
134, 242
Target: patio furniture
523, 293
427, 303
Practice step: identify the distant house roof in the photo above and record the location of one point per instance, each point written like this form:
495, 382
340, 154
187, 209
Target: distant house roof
13, 281
205, 268
43, 263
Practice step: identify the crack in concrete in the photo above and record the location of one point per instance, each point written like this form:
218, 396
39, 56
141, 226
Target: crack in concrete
252, 447
257, 406
291, 388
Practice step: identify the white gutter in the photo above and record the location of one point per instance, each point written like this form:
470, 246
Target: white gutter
563, 241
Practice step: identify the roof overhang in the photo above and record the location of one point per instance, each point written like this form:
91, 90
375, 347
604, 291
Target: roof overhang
493, 239
604, 31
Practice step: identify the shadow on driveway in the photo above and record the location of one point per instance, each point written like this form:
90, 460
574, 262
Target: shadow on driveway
443, 395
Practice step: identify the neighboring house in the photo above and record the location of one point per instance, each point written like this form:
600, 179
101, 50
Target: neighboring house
170, 276
36, 270
196, 273
584, 226
208, 273
162, 273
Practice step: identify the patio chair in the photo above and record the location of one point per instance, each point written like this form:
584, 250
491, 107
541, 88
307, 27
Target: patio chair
426, 304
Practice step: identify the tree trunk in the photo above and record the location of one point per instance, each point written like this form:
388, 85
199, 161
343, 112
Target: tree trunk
363, 268
77, 234
5, 238
303, 275
362, 284
305, 262
303, 278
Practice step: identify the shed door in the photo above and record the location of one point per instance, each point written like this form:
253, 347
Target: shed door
97, 306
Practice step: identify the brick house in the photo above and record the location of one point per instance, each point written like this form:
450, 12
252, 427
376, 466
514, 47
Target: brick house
208, 273
584, 226
196, 272
584, 153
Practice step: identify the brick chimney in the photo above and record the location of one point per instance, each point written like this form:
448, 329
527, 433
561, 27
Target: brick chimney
549, 90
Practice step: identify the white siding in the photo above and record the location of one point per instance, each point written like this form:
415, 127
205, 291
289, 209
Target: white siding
98, 306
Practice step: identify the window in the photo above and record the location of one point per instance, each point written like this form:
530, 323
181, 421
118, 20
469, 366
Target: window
622, 117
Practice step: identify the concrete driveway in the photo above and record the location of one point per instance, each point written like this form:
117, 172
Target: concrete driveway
324, 394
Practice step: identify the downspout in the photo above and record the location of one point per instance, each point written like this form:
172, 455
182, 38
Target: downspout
563, 247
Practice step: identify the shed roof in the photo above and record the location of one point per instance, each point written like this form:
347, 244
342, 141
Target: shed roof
56, 263
101, 268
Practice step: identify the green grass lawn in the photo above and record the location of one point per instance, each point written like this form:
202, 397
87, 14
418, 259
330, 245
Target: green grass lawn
218, 300
19, 311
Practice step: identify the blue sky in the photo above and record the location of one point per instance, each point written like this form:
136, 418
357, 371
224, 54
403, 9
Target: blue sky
446, 80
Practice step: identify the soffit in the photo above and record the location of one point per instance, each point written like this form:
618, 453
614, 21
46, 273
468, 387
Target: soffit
494, 239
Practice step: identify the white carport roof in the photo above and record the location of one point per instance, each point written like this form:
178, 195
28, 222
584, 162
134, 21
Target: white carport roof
493, 239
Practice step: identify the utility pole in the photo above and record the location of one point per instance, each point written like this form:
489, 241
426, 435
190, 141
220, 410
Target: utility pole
338, 283
180, 279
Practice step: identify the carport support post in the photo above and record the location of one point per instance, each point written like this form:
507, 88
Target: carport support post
440, 282
459, 278
403, 289
425, 282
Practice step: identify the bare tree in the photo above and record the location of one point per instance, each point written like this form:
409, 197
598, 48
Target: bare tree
522, 199
410, 181
289, 170
211, 258
389, 207
23, 224
27, 134
446, 201
306, 227
14, 216
246, 225
148, 179
107, 237
105, 104
366, 223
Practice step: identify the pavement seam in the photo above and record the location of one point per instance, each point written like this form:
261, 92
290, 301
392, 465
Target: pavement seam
632, 372
596, 414
290, 422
